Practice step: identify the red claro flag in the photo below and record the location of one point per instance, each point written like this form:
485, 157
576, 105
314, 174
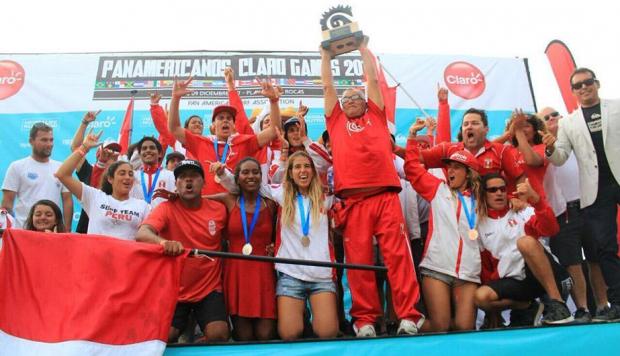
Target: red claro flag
71, 294
562, 63
124, 138
388, 93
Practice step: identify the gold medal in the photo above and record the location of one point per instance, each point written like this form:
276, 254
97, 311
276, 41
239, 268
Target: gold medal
473, 234
247, 249
305, 241
217, 179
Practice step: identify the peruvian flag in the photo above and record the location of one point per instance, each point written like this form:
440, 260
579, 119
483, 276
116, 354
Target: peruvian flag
124, 138
388, 93
71, 294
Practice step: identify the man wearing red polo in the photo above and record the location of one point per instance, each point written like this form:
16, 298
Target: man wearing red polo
492, 157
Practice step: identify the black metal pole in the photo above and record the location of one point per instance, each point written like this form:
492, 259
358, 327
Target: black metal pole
290, 261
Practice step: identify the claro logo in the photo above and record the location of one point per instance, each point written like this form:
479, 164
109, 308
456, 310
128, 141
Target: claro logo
12, 77
464, 80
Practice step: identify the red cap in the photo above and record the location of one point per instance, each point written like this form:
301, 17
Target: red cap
465, 158
222, 108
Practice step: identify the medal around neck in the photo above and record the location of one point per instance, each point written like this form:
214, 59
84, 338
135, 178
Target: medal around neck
340, 33
247, 249
305, 241
473, 234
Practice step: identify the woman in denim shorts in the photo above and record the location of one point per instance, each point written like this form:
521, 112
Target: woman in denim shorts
302, 233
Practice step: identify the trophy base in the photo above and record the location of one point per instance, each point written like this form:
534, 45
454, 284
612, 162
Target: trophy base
336, 46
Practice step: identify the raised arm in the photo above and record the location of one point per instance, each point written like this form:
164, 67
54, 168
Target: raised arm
424, 183
65, 171
531, 158
78, 137
273, 94
179, 90
242, 124
329, 90
160, 120
67, 209
370, 70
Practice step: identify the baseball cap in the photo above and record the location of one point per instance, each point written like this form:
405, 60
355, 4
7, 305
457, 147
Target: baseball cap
187, 164
173, 155
290, 122
224, 108
111, 144
463, 157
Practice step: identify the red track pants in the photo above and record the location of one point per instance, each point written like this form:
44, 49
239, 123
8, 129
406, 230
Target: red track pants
380, 216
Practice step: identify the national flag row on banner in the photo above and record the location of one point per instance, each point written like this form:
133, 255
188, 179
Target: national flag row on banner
72, 294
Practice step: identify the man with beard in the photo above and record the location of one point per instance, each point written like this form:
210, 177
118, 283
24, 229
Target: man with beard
492, 157
193, 222
151, 176
32, 178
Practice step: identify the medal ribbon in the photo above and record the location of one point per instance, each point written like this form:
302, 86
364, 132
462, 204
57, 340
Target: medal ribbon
470, 214
149, 193
247, 234
305, 217
224, 153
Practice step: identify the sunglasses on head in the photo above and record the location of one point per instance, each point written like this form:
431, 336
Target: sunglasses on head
579, 85
549, 116
495, 189
346, 99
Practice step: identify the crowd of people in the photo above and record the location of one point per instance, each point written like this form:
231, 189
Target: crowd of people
461, 227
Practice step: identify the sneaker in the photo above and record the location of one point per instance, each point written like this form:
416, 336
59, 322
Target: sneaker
607, 314
365, 331
407, 327
556, 312
526, 317
582, 316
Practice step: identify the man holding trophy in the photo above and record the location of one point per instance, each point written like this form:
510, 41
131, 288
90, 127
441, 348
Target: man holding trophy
367, 182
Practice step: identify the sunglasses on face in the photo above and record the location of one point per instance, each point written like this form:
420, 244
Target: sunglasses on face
495, 189
346, 99
579, 85
549, 116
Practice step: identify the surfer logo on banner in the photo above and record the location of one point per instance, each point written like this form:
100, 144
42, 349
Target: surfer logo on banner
340, 33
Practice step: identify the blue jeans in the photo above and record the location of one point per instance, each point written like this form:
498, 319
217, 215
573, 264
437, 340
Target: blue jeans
296, 288
600, 219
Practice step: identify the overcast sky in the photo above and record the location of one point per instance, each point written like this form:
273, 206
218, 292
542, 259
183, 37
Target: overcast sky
591, 29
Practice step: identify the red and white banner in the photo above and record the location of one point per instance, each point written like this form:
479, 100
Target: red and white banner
70, 294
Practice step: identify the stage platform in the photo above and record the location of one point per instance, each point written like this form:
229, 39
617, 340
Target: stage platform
588, 339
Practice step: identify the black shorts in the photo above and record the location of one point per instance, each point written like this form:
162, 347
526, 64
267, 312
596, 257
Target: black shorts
572, 238
210, 308
529, 288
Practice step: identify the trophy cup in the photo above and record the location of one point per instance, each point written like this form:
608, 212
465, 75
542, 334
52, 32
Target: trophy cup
340, 33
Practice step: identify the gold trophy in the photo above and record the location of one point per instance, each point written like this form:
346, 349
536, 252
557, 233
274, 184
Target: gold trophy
340, 33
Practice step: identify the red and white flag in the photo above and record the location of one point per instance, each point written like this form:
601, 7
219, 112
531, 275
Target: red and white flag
124, 137
70, 294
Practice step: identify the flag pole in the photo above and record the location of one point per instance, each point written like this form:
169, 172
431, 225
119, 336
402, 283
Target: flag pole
133, 94
398, 84
289, 261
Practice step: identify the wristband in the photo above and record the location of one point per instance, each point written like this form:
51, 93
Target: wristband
273, 101
100, 164
84, 122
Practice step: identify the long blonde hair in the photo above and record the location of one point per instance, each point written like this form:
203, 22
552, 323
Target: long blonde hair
315, 192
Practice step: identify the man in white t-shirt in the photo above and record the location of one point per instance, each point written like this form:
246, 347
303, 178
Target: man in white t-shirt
151, 175
32, 178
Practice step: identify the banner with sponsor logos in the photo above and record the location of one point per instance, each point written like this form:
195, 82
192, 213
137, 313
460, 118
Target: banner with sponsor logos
59, 88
